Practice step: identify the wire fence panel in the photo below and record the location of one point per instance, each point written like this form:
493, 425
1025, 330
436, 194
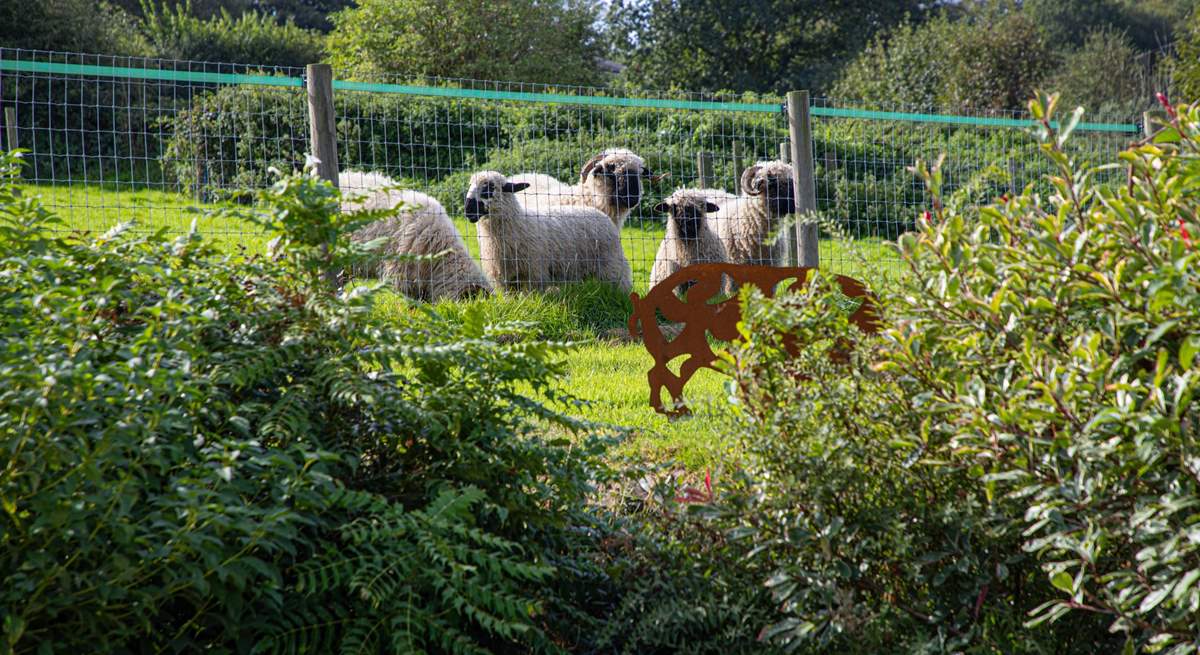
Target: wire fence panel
115, 139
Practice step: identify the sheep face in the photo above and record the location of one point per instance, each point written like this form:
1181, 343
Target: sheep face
774, 181
485, 189
620, 172
687, 214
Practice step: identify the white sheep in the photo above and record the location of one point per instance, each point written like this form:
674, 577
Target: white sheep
419, 227
689, 239
610, 182
745, 223
521, 247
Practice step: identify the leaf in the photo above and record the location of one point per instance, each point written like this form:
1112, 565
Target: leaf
1188, 350
1063, 582
1154, 598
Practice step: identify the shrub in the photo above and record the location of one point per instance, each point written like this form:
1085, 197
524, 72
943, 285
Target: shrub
1104, 75
70, 26
210, 452
1009, 467
252, 38
526, 41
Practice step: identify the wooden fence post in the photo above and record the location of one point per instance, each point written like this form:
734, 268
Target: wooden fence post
704, 169
322, 121
10, 127
322, 124
785, 151
804, 182
1148, 128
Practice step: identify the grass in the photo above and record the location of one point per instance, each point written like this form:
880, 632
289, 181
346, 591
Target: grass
609, 375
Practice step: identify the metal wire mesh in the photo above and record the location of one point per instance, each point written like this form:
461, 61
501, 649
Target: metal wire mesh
115, 139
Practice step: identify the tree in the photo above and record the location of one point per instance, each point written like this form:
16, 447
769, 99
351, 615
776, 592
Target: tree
1186, 64
70, 25
522, 40
1104, 74
986, 60
756, 45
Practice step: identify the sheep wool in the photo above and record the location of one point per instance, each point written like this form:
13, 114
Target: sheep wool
420, 226
744, 223
689, 239
526, 247
610, 182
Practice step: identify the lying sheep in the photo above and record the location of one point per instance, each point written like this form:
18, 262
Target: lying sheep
420, 227
521, 247
689, 239
745, 223
610, 182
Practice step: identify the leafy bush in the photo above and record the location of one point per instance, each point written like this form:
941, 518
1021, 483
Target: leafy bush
70, 26
1011, 466
1103, 75
527, 41
252, 38
210, 452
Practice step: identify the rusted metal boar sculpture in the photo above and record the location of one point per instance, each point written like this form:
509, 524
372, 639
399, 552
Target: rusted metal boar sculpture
699, 316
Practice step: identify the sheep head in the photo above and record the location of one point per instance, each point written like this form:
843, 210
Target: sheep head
485, 189
773, 181
687, 209
619, 172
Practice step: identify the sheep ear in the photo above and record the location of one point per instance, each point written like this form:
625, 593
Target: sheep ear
710, 208
514, 187
662, 208
748, 180
587, 168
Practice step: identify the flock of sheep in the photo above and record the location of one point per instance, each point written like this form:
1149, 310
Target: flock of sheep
535, 230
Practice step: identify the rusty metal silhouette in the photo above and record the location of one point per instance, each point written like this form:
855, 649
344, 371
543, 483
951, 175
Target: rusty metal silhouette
700, 316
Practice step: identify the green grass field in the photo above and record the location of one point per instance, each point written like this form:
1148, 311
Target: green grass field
608, 374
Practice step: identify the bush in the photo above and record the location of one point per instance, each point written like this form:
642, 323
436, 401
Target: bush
984, 63
526, 41
1104, 75
1010, 467
175, 33
70, 26
209, 452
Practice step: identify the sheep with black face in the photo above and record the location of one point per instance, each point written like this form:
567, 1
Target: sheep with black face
689, 239
745, 222
521, 247
612, 182
418, 225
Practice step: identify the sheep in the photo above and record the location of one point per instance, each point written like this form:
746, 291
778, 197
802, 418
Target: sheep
521, 247
744, 223
610, 182
419, 227
689, 239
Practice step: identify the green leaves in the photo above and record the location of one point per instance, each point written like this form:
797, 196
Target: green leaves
233, 453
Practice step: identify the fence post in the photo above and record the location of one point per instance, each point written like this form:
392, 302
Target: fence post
785, 151
1148, 129
704, 167
738, 166
322, 121
10, 127
803, 179
322, 126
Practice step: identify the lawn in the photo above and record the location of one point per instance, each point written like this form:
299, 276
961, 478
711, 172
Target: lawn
605, 371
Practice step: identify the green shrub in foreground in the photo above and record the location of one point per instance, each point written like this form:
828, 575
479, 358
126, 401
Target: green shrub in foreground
1012, 466
206, 453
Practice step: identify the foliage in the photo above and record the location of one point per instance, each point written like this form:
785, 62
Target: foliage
987, 62
1104, 75
525, 40
71, 26
252, 38
908, 65
762, 46
1185, 66
1017, 447
213, 453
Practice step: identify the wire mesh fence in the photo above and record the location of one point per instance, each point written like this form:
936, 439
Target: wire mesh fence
115, 139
